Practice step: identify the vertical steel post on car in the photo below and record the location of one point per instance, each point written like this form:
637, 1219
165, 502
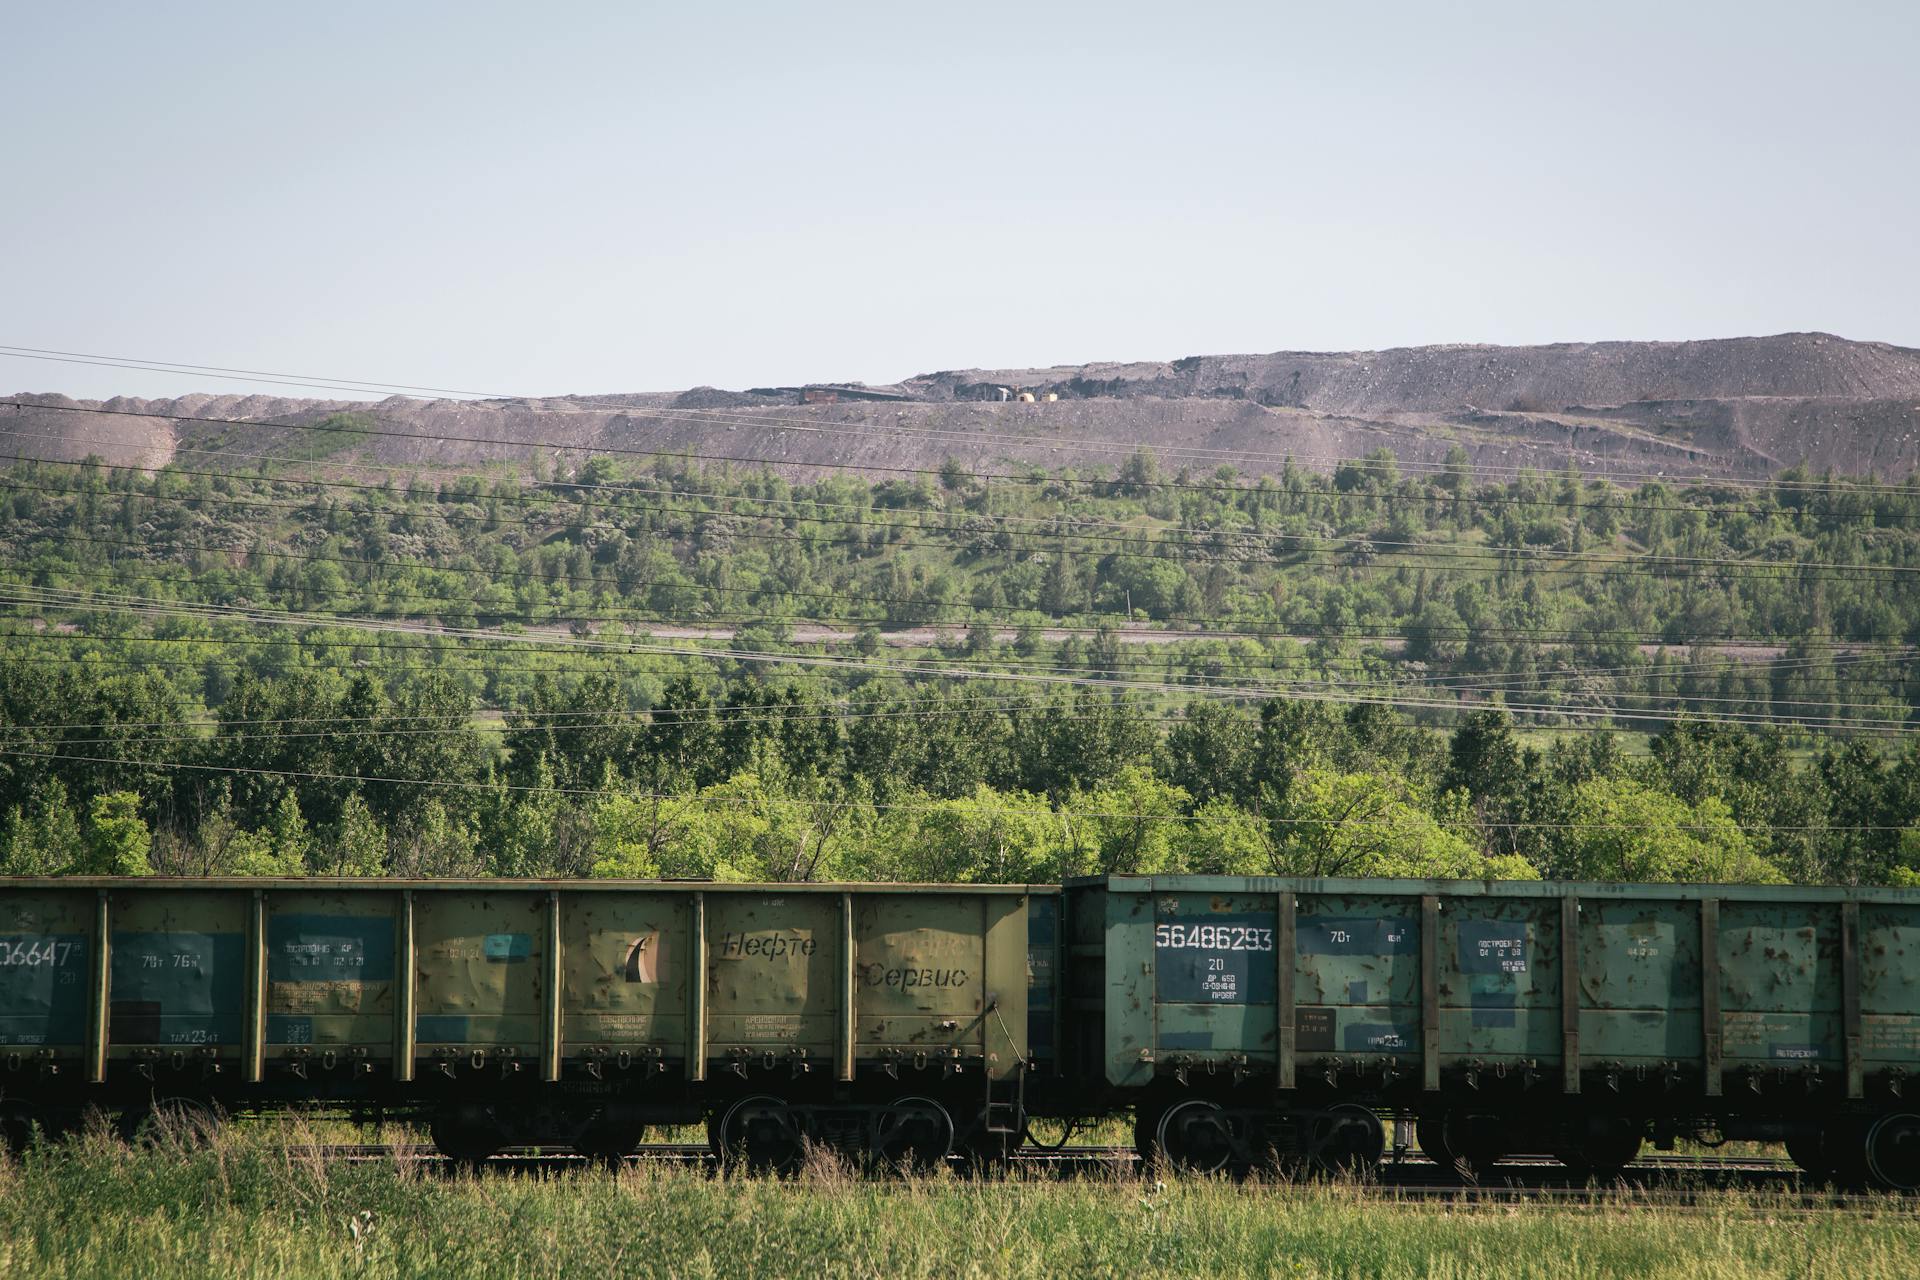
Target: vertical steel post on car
1283, 912
551, 1044
1710, 1026
1062, 1056
101, 995
403, 1005
847, 1028
255, 1031
1850, 997
697, 991
1570, 994
1430, 991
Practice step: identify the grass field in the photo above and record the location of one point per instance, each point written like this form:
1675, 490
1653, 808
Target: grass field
260, 1204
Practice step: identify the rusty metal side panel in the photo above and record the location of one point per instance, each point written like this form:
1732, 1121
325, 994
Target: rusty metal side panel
1500, 976
479, 961
1356, 981
773, 962
1008, 988
46, 962
1128, 1001
179, 971
625, 964
331, 967
1215, 978
1780, 984
1889, 942
937, 973
1640, 980
920, 972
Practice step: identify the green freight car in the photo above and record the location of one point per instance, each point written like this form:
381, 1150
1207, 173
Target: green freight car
1240, 1021
1243, 1016
517, 1012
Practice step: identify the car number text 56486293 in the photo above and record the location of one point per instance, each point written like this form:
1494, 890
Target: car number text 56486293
1214, 937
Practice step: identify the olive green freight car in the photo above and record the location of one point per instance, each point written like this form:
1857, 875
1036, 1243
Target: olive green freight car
518, 1011
1506, 1016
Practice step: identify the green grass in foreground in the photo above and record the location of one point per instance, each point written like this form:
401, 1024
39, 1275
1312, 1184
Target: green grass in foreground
259, 1205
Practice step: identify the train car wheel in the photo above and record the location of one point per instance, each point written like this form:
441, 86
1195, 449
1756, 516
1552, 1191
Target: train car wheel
1347, 1138
465, 1134
1476, 1142
1893, 1152
761, 1132
1430, 1134
1194, 1135
612, 1134
17, 1121
913, 1130
1808, 1149
1604, 1152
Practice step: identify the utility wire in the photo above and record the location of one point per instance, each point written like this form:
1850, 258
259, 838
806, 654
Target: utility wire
1301, 632
926, 669
75, 601
1195, 679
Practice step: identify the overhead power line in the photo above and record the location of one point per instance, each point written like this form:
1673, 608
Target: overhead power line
522, 719
1187, 679
959, 615
923, 668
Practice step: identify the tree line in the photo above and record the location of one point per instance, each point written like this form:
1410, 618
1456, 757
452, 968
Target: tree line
748, 778
449, 673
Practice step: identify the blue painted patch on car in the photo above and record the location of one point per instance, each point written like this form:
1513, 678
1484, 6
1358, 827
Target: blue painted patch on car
287, 1028
1355, 936
507, 948
1376, 1037
441, 1028
1494, 1009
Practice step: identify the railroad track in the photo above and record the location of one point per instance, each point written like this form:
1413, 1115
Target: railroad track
1669, 1181
1412, 1164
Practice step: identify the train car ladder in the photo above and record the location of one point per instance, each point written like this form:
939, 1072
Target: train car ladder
1001, 1116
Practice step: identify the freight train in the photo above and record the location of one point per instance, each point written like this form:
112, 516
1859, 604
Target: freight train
1241, 1021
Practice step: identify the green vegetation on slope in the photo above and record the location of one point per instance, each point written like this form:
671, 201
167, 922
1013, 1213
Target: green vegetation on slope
685, 671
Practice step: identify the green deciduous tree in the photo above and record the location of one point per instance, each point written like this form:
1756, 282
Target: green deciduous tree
1620, 829
989, 837
43, 836
1372, 824
1124, 826
355, 845
116, 839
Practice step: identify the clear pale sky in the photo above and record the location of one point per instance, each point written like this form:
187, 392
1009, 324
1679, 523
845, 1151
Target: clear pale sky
550, 198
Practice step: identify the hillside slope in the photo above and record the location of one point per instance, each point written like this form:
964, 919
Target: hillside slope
1739, 407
